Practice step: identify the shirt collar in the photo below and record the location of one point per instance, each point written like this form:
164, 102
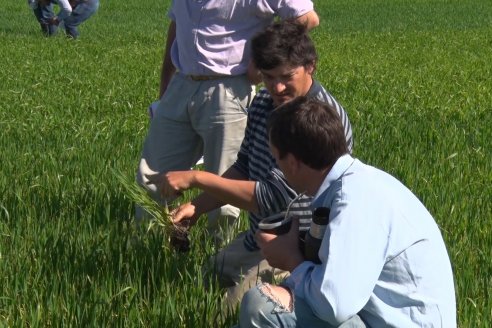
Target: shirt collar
315, 89
341, 165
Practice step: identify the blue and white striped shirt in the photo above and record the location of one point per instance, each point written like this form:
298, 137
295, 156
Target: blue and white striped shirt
255, 161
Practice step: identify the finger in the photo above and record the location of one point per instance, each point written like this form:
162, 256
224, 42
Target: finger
263, 238
176, 216
179, 215
172, 212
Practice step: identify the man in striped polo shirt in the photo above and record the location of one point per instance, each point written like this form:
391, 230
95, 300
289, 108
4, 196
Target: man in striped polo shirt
286, 57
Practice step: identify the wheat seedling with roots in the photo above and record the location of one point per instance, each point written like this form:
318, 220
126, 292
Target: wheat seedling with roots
160, 215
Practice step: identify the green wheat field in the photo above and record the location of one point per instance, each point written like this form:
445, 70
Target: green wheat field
414, 76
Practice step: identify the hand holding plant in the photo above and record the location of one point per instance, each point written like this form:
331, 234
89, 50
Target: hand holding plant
173, 183
176, 230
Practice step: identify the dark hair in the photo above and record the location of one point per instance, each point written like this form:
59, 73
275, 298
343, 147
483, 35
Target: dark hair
310, 130
283, 43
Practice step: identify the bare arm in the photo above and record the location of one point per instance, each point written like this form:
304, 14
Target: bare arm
189, 213
310, 18
230, 188
168, 68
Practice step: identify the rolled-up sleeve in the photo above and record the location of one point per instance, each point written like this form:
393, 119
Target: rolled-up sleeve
273, 194
241, 163
287, 8
352, 255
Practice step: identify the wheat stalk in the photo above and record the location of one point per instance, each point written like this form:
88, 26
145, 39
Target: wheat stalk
160, 214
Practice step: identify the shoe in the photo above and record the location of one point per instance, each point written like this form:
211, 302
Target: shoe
45, 29
72, 33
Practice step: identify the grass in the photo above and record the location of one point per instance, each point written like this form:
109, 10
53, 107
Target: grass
414, 78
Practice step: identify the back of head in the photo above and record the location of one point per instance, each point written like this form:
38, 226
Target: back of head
310, 130
283, 43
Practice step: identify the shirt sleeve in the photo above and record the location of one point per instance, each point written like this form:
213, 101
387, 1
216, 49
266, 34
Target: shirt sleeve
65, 9
287, 8
352, 255
273, 194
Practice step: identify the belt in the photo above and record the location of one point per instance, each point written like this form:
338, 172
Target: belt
205, 77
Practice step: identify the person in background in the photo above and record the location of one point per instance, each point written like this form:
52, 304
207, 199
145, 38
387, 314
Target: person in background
207, 84
286, 58
383, 259
72, 13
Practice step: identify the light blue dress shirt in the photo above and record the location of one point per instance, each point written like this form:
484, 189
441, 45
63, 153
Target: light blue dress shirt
383, 256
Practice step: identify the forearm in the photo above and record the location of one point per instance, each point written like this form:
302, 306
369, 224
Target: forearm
310, 19
168, 68
205, 203
230, 188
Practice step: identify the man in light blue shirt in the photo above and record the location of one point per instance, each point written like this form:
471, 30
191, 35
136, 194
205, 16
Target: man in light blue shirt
383, 259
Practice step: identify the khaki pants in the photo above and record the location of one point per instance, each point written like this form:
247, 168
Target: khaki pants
196, 118
237, 269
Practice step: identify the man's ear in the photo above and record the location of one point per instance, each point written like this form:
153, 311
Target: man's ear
310, 68
293, 162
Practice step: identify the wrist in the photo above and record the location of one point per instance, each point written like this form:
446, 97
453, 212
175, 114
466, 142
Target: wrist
196, 179
197, 210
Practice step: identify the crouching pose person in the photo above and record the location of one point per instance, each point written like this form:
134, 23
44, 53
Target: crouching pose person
383, 259
72, 13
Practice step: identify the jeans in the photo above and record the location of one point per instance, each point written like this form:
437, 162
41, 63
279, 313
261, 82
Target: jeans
43, 15
238, 270
83, 11
260, 310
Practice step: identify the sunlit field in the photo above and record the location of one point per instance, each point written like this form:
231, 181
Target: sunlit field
415, 78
